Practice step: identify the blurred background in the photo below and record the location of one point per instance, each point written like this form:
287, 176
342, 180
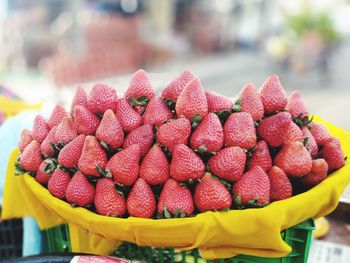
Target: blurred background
49, 47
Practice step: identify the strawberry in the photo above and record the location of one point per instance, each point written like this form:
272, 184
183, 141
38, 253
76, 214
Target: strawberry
154, 168
228, 163
93, 158
40, 129
253, 188
65, 131
140, 90
217, 102
31, 159
211, 194
142, 136
239, 130
58, 183
156, 112
281, 188
79, 191
26, 138
108, 201
141, 201
110, 131
192, 102
209, 135
296, 105
174, 132
274, 129
85, 122
45, 170
294, 159
139, 109
80, 99
124, 165
251, 102
333, 154
57, 116
101, 98
175, 199
70, 153
320, 133
272, 94
173, 89
46, 146
294, 134
127, 116
318, 173
311, 144
185, 164
261, 156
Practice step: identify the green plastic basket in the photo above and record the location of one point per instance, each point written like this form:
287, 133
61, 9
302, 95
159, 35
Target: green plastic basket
299, 237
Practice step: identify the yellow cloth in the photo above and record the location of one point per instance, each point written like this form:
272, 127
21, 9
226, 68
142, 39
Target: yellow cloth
217, 234
11, 106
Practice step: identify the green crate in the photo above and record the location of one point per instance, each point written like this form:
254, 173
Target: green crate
299, 237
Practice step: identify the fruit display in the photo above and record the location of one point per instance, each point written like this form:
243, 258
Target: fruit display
179, 153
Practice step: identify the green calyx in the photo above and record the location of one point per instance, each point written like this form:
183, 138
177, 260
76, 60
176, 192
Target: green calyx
237, 106
254, 203
177, 214
51, 166
19, 169
303, 121
170, 104
141, 101
195, 120
223, 115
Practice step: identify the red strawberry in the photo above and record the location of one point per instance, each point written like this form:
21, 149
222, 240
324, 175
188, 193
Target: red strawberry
79, 191
46, 145
211, 194
311, 144
108, 201
294, 159
185, 164
57, 116
140, 88
251, 102
296, 105
45, 170
127, 116
294, 134
192, 101
174, 88
239, 130
65, 131
252, 188
101, 98
281, 187
333, 154
261, 156
320, 133
272, 94
85, 122
58, 183
139, 109
70, 154
228, 163
217, 102
154, 168
26, 138
156, 112
80, 99
175, 198
124, 165
110, 131
209, 135
92, 157
40, 129
174, 132
318, 173
31, 158
274, 129
141, 201
142, 136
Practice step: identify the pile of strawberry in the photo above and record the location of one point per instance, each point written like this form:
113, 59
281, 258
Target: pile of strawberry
185, 152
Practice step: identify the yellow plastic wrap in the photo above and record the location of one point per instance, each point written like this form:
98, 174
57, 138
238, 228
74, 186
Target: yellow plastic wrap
11, 106
217, 234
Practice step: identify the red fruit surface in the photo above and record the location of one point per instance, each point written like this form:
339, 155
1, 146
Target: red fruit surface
261, 157
294, 134
65, 131
251, 102
79, 191
110, 130
58, 183
239, 130
45, 147
80, 99
333, 154
40, 129
154, 168
31, 158
218, 102
70, 153
139, 86
185, 164
26, 138
311, 144
281, 188
318, 173
124, 165
57, 116
41, 176
156, 112
228, 163
101, 98
141, 201
174, 88
142, 136
127, 116
272, 94
85, 122
296, 105
320, 133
